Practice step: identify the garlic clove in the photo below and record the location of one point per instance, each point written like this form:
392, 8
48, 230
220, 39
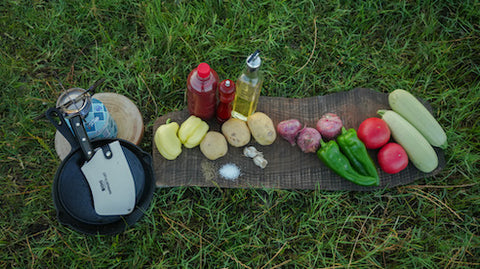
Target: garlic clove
260, 161
251, 152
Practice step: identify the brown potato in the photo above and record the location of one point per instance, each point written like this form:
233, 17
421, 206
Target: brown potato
214, 145
236, 132
262, 128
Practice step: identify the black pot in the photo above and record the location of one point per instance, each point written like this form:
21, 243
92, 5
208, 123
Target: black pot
72, 195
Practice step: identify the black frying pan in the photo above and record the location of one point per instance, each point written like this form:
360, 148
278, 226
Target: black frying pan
71, 193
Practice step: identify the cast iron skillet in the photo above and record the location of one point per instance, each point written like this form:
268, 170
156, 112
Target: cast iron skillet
71, 193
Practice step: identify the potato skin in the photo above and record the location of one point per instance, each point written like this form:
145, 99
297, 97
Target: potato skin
214, 145
262, 128
236, 132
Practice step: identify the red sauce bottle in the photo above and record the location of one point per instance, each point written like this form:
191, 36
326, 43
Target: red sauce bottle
226, 94
202, 85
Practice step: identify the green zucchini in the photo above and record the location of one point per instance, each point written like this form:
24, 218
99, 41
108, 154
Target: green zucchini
420, 153
408, 106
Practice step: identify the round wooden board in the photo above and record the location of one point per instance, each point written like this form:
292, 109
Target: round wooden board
126, 115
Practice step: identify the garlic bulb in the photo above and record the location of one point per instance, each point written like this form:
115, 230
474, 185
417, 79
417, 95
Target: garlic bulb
252, 152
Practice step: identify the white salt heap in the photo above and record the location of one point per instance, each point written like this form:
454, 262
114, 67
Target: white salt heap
230, 171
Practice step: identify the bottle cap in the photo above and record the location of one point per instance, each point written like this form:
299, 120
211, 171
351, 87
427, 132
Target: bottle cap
226, 91
227, 87
254, 61
203, 70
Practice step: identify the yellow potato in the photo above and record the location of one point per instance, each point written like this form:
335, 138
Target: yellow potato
214, 145
236, 132
262, 128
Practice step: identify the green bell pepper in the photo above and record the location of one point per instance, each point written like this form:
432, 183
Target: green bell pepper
330, 154
356, 152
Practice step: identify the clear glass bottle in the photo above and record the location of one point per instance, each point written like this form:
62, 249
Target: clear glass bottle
248, 88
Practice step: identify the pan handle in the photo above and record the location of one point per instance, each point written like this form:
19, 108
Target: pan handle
81, 135
55, 116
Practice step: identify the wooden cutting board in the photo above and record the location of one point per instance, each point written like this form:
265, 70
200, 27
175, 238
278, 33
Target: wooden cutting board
288, 167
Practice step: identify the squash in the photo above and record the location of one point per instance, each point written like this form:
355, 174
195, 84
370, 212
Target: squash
419, 151
408, 106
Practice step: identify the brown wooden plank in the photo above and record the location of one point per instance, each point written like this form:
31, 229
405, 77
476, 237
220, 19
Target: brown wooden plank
288, 167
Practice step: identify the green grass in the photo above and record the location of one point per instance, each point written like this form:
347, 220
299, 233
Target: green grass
145, 50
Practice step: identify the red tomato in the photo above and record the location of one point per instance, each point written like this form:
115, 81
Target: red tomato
392, 158
374, 133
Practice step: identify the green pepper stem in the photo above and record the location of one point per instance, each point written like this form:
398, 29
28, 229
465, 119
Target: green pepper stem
381, 112
322, 144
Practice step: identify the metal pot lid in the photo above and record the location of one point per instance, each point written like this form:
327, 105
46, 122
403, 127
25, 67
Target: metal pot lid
73, 101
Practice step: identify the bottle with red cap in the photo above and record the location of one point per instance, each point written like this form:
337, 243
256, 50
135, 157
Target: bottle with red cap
202, 85
226, 94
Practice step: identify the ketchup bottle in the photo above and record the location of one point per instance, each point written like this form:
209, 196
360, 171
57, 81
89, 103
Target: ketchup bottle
202, 85
226, 94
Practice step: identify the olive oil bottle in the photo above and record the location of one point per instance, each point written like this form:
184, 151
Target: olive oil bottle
249, 85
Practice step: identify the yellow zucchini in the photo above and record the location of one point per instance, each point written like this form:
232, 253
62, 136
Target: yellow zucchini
408, 106
419, 151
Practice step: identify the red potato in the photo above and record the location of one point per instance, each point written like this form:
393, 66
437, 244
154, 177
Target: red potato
392, 158
374, 133
289, 129
330, 126
309, 140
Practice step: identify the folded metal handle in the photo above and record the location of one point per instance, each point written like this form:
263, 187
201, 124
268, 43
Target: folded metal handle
78, 138
81, 135
55, 116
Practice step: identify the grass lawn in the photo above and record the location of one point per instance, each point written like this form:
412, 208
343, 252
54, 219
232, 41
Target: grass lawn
145, 50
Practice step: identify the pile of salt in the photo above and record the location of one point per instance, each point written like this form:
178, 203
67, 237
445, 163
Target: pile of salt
230, 171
